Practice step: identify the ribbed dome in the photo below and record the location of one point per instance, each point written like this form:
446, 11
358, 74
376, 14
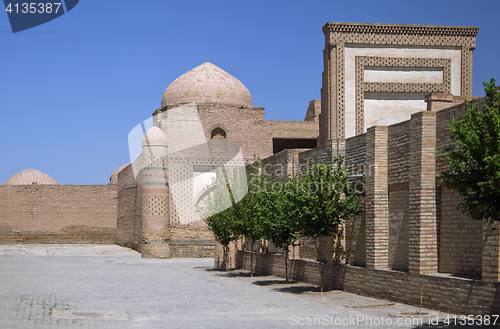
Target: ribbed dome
29, 177
154, 136
206, 83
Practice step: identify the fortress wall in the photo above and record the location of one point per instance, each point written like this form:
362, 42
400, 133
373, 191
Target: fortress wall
58, 214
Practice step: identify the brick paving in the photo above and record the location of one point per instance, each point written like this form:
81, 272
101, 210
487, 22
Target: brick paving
107, 286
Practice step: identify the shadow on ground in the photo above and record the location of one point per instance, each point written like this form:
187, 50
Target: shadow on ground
304, 289
272, 282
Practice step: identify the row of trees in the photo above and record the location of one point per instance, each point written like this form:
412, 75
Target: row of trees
313, 204
310, 205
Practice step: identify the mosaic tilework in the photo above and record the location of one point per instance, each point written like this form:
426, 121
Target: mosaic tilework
340, 90
180, 176
362, 87
155, 205
391, 34
339, 34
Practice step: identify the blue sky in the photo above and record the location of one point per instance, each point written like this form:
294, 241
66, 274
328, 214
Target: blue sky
73, 88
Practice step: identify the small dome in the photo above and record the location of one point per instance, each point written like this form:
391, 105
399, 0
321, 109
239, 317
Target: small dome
207, 83
29, 177
113, 179
154, 136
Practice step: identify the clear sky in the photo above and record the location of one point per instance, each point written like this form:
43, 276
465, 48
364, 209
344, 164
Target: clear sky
73, 88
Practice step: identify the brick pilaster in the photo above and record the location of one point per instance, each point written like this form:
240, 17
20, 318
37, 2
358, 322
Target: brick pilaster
423, 224
491, 253
377, 199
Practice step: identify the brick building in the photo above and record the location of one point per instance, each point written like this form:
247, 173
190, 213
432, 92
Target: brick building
388, 94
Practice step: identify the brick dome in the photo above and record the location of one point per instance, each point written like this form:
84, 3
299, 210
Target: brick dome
29, 177
206, 83
113, 179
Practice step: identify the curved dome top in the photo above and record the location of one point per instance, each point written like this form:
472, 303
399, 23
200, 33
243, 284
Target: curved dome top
30, 176
154, 136
206, 83
113, 179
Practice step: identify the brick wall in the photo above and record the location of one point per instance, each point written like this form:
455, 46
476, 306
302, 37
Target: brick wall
355, 228
293, 129
58, 214
430, 242
185, 241
460, 238
280, 165
129, 215
440, 292
398, 177
191, 242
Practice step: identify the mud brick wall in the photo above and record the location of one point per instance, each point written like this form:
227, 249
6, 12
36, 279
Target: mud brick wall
58, 214
129, 216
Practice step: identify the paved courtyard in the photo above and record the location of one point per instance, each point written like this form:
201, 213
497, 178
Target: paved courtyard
107, 286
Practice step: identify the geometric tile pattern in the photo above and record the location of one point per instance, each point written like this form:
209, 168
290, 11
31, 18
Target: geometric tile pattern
337, 35
362, 87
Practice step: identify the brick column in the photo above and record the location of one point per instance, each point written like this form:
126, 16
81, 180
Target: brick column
491, 252
155, 222
155, 195
423, 224
376, 199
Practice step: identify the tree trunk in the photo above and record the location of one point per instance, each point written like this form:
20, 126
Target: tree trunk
320, 261
225, 256
286, 264
251, 258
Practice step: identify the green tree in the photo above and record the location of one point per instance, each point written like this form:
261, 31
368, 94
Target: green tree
250, 218
320, 199
474, 166
218, 210
280, 228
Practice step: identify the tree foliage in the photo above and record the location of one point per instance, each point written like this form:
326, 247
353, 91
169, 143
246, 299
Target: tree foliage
279, 227
310, 205
219, 213
474, 166
322, 198
250, 217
